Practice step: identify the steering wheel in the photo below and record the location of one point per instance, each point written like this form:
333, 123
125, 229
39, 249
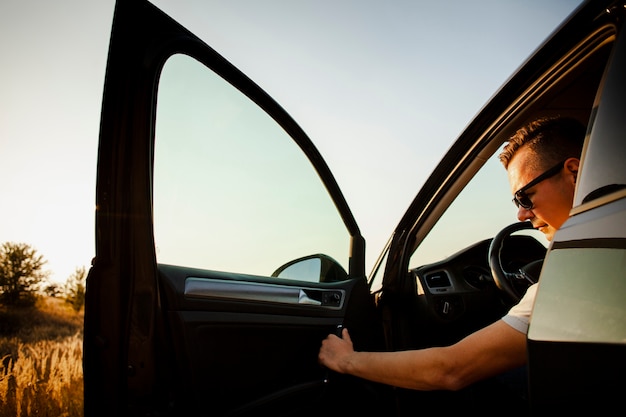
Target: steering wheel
514, 284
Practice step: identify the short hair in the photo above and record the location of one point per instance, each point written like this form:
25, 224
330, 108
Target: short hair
549, 139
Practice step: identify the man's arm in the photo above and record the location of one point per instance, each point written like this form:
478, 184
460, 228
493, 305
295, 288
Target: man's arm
483, 354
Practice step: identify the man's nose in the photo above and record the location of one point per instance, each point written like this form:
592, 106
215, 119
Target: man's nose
524, 214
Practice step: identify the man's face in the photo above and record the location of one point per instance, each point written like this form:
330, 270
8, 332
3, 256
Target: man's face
551, 198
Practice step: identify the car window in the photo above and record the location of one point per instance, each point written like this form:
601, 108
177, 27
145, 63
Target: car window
603, 170
480, 211
232, 191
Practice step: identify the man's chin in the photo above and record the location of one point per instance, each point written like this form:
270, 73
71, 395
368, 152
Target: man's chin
548, 232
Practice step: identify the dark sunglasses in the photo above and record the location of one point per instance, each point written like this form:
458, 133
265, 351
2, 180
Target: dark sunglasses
521, 199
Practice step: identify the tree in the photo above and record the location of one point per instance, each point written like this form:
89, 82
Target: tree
53, 290
75, 288
20, 273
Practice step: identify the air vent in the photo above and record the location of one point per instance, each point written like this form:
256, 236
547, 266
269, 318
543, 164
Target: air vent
438, 280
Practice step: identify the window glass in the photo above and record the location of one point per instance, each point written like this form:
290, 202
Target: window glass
480, 211
232, 191
603, 170
377, 275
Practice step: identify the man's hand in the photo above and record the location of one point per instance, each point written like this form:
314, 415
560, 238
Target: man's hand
335, 351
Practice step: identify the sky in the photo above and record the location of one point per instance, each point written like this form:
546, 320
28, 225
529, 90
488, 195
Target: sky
397, 80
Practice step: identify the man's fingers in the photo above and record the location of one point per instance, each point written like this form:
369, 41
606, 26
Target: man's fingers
345, 335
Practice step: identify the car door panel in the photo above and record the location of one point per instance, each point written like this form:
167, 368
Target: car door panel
241, 344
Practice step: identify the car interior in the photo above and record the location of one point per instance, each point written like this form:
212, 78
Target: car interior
460, 293
451, 287
444, 297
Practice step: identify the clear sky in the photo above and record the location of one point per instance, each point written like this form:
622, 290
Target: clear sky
398, 80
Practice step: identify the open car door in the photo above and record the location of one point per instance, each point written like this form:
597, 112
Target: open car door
225, 251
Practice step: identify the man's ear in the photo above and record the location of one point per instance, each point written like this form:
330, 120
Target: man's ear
572, 165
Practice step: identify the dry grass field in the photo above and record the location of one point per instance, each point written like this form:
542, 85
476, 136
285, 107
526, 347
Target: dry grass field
41, 369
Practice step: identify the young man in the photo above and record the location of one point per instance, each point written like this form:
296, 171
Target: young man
542, 161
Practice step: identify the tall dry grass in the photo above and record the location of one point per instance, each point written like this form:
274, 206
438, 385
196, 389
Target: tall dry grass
41, 369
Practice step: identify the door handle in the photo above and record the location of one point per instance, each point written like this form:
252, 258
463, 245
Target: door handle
303, 298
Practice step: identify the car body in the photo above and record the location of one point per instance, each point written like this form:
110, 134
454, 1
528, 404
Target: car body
226, 252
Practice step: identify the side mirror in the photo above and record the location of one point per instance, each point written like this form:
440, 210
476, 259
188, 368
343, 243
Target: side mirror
312, 268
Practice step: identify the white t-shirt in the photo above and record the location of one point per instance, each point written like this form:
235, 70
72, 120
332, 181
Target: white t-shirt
518, 316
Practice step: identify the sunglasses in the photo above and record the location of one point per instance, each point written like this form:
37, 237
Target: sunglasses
521, 199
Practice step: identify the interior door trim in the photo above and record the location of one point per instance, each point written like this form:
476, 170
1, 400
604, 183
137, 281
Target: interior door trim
207, 288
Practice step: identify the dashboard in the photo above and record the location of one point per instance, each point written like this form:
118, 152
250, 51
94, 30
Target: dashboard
458, 295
